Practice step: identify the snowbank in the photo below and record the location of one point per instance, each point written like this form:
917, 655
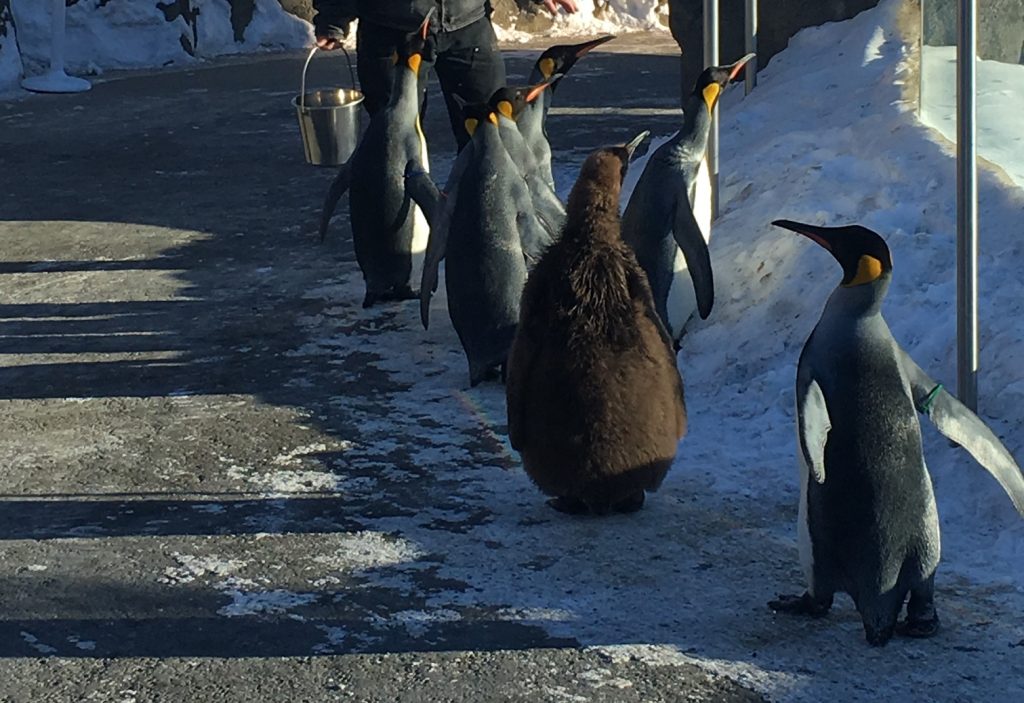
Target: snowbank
128, 34
105, 34
593, 17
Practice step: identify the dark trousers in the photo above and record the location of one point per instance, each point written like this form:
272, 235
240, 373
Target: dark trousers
467, 62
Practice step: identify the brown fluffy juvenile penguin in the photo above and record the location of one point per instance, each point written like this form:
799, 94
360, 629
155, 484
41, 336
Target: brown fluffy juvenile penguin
595, 401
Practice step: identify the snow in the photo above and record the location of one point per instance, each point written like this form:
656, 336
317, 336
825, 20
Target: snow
1000, 103
610, 16
828, 137
129, 34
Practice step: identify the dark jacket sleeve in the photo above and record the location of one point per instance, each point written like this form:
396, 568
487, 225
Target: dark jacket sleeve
333, 16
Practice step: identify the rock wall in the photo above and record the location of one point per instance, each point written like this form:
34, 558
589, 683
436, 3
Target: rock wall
778, 21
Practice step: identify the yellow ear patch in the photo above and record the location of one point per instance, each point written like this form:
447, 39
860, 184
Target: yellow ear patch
414, 62
868, 269
711, 92
547, 67
505, 108
492, 118
470, 125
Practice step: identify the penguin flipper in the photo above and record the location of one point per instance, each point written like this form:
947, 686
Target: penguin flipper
437, 243
422, 189
519, 366
690, 239
957, 422
813, 423
338, 187
550, 210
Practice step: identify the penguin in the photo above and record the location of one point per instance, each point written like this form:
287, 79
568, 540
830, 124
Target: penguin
867, 519
595, 401
668, 219
389, 231
508, 104
551, 65
486, 265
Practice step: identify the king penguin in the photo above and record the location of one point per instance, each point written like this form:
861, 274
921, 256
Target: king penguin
668, 218
508, 104
552, 65
389, 231
491, 217
595, 401
867, 518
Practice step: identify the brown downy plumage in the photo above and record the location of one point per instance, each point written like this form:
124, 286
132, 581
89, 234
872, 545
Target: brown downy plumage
595, 402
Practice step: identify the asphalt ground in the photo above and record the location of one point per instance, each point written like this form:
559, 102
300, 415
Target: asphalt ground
158, 246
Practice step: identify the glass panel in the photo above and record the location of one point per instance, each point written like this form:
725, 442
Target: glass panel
1000, 78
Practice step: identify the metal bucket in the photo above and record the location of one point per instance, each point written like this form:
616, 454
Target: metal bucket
328, 119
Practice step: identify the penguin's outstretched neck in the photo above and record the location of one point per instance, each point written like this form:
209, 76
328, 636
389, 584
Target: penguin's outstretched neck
593, 207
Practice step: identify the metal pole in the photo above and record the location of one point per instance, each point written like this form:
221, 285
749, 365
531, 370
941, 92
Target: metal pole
750, 46
966, 208
711, 59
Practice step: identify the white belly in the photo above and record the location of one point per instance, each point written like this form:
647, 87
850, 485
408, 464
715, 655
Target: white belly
420, 228
682, 301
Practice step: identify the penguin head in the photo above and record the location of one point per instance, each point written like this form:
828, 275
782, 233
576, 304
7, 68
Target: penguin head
863, 254
714, 79
604, 171
476, 114
411, 51
511, 101
556, 61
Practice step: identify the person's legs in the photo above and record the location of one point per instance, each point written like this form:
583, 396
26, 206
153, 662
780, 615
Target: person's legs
469, 65
375, 49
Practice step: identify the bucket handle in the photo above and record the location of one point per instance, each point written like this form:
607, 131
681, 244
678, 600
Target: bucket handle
305, 67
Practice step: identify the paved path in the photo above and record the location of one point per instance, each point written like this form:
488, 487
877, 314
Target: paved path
221, 480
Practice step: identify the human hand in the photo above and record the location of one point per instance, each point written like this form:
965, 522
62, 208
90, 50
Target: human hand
553, 5
327, 43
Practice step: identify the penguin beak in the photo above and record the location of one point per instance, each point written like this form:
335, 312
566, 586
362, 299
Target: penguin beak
821, 235
581, 50
635, 142
735, 68
425, 26
536, 91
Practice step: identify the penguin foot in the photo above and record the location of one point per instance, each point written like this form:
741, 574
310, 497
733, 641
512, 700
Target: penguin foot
805, 604
878, 637
569, 505
919, 627
631, 503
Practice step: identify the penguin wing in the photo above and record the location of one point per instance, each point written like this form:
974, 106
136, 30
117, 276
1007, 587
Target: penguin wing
338, 187
436, 245
957, 422
690, 239
422, 189
813, 423
521, 358
533, 236
550, 210
640, 291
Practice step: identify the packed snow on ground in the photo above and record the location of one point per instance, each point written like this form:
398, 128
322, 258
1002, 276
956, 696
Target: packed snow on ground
1000, 104
828, 137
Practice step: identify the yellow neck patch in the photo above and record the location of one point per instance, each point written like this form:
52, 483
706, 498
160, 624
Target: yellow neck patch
868, 269
505, 108
414, 63
547, 67
711, 92
470, 125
